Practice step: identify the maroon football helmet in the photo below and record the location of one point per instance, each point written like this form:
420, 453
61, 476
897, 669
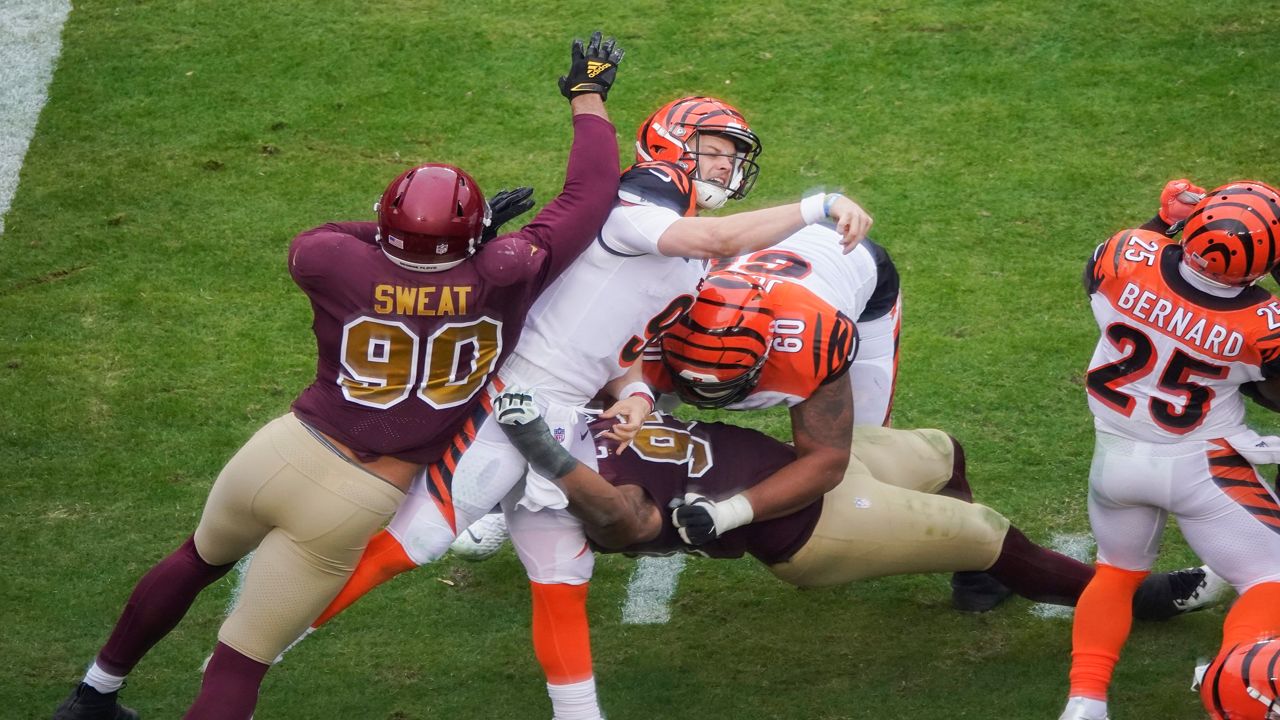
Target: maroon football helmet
431, 217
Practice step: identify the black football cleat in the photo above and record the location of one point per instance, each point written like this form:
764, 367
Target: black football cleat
977, 592
1165, 595
86, 703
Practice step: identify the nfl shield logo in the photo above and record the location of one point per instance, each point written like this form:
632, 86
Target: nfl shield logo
558, 434
442, 248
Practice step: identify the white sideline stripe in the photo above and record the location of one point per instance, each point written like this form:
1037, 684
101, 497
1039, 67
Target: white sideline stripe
30, 41
1075, 545
653, 583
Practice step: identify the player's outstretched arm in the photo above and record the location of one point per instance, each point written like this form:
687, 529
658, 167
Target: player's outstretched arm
612, 517
822, 429
746, 232
568, 224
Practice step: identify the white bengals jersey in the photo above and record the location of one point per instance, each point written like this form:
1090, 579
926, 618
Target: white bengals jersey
594, 320
812, 257
1171, 358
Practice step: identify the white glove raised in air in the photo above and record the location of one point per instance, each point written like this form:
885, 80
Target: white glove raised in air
516, 407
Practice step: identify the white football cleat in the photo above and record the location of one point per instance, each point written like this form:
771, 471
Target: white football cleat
1083, 708
484, 538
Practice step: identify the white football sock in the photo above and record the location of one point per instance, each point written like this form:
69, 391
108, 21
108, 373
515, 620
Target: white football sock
101, 680
576, 701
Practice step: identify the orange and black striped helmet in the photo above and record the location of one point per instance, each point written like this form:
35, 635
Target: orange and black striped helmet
1241, 684
670, 135
1233, 235
715, 352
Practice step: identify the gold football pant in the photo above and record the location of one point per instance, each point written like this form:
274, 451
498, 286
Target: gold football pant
308, 511
884, 518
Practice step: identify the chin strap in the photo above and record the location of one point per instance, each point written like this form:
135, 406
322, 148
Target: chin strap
710, 195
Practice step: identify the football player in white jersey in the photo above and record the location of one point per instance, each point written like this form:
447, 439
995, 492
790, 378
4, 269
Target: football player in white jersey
1185, 331
864, 285
585, 334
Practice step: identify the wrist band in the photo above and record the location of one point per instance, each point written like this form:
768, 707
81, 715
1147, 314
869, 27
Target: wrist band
637, 388
828, 202
812, 208
734, 512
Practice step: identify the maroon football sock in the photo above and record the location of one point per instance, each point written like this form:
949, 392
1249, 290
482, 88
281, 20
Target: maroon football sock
958, 485
158, 602
1039, 573
230, 687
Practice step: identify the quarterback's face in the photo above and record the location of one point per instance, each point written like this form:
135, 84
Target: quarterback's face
717, 157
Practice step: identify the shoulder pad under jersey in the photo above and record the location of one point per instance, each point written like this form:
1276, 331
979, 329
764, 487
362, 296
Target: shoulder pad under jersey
659, 183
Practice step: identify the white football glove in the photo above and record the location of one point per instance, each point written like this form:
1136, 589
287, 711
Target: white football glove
516, 407
701, 520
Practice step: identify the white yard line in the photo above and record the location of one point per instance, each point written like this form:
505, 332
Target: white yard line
1076, 545
30, 40
653, 584
241, 568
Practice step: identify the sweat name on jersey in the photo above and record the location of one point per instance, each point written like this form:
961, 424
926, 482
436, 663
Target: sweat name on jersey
426, 301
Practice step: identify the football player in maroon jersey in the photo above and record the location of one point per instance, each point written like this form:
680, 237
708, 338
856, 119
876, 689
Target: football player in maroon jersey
903, 506
413, 316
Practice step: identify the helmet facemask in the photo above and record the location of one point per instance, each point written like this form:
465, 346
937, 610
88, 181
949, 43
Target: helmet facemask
706, 392
705, 145
676, 132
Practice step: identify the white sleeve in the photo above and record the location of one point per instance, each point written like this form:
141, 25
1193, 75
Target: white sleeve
635, 229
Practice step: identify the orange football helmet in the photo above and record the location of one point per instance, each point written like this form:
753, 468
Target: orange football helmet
431, 217
1241, 683
671, 134
715, 352
1233, 235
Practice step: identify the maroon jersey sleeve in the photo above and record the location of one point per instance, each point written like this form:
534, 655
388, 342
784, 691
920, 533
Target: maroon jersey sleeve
314, 253
670, 457
570, 222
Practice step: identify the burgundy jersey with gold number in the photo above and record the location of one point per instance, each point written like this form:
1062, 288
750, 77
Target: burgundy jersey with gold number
670, 457
402, 356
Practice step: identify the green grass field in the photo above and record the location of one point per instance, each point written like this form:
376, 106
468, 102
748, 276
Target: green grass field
148, 325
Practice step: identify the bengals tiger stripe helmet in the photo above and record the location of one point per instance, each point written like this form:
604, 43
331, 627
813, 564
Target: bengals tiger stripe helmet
672, 134
715, 352
1232, 236
1241, 683
430, 218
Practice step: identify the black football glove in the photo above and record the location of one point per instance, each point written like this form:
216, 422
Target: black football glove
592, 69
504, 206
693, 519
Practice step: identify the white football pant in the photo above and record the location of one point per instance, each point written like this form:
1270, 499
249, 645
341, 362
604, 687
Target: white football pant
1228, 515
